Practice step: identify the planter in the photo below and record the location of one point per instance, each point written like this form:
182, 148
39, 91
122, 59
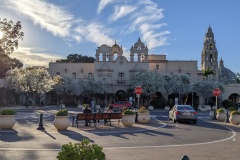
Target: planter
235, 119
211, 114
221, 116
150, 108
61, 122
143, 118
7, 121
128, 120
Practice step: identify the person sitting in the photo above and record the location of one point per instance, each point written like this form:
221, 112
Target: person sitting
99, 111
87, 110
110, 110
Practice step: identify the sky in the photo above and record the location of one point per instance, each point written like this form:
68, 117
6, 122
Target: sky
53, 29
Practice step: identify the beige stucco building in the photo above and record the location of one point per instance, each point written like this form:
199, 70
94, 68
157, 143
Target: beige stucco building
115, 69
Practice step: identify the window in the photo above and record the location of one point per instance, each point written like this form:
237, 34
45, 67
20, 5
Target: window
57, 73
90, 75
121, 78
157, 67
74, 75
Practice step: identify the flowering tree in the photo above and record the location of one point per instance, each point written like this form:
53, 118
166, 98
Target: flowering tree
29, 81
88, 87
63, 87
150, 81
205, 87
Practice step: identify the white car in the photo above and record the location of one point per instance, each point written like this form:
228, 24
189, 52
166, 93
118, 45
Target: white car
183, 113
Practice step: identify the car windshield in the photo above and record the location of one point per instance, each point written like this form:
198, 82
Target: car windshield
120, 102
184, 108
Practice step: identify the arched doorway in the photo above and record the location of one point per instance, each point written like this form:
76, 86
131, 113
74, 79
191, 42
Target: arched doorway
121, 96
234, 98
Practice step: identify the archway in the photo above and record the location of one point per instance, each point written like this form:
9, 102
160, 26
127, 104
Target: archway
234, 98
121, 96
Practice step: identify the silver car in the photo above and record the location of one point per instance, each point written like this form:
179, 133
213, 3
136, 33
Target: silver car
183, 113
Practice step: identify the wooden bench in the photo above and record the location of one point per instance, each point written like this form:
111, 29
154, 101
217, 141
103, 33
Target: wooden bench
94, 117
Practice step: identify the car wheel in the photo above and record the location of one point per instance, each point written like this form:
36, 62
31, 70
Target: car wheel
194, 121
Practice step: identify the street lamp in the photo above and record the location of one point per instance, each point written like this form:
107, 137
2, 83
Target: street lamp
192, 92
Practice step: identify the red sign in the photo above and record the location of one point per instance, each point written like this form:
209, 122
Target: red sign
216, 92
138, 90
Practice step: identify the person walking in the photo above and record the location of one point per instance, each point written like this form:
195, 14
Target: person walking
42, 103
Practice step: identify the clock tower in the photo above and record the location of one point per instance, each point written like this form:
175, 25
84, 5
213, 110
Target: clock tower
210, 54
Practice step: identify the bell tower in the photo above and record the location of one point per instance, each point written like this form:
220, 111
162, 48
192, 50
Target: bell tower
210, 53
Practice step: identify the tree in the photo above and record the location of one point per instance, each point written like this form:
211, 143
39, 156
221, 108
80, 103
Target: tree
150, 81
6, 63
64, 86
88, 87
77, 58
11, 35
8, 43
238, 77
205, 87
208, 72
29, 81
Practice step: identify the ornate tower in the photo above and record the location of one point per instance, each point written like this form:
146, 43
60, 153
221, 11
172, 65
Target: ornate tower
141, 50
210, 53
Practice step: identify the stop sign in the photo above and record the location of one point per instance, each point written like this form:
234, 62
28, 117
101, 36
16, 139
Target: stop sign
138, 90
216, 92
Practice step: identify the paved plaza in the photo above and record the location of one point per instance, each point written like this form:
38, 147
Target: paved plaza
160, 139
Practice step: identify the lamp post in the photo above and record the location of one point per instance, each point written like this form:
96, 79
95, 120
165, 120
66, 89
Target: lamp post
192, 92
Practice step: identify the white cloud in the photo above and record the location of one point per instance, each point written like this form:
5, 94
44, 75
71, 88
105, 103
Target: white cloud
97, 35
121, 11
34, 57
49, 16
103, 4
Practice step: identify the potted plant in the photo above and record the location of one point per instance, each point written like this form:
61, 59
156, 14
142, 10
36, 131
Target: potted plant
230, 109
212, 113
82, 150
235, 117
61, 121
143, 115
128, 118
221, 115
7, 118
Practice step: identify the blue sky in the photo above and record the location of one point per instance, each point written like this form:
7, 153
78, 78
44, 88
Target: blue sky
56, 28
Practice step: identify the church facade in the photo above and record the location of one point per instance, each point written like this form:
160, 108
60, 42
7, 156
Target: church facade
116, 70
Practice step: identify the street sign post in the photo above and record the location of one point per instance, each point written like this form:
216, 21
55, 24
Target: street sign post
216, 92
138, 90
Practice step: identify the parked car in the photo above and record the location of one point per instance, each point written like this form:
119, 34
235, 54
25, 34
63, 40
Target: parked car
183, 113
120, 105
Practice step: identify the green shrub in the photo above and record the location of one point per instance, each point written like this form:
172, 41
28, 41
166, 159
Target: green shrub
128, 112
81, 151
227, 103
7, 112
62, 112
235, 113
232, 108
220, 110
143, 109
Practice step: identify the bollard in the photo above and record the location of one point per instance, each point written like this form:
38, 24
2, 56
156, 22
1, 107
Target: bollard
227, 118
185, 158
214, 115
40, 127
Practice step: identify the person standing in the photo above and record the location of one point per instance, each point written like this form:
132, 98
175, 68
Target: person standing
93, 106
42, 103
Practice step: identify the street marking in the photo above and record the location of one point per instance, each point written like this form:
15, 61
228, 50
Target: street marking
133, 147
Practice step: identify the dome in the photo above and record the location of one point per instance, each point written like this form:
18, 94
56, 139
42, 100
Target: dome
226, 75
